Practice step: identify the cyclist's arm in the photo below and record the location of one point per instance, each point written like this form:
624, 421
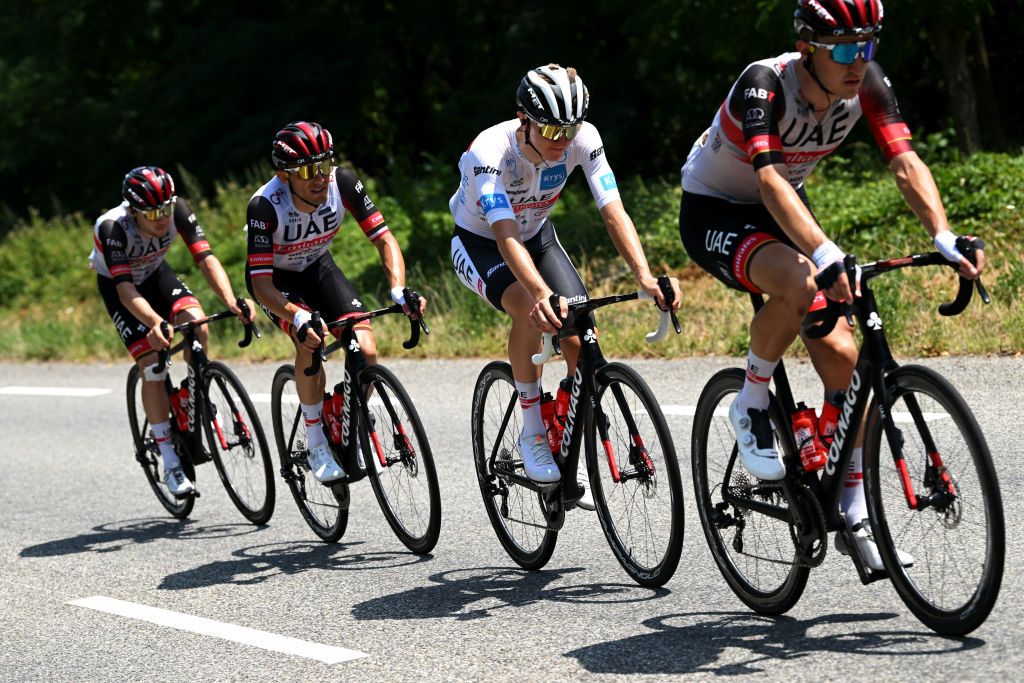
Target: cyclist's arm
788, 210
510, 244
261, 222
212, 269
137, 304
627, 243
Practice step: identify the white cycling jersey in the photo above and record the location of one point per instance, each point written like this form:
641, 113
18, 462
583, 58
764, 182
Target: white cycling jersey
498, 182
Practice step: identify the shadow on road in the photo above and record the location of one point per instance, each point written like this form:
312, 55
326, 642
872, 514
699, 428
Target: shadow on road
698, 645
260, 563
114, 536
467, 594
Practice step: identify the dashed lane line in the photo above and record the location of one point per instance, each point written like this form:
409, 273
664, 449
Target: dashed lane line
83, 392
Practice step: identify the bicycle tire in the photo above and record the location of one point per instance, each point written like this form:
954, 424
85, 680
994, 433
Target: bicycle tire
324, 508
147, 454
514, 510
938, 537
641, 514
245, 467
406, 484
767, 583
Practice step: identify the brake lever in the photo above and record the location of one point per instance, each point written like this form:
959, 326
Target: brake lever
319, 356
665, 284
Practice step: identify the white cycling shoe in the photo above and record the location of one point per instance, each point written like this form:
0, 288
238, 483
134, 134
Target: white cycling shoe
864, 538
323, 465
756, 443
537, 460
177, 483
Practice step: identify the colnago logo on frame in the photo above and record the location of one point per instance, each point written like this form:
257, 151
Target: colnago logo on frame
570, 418
844, 423
345, 407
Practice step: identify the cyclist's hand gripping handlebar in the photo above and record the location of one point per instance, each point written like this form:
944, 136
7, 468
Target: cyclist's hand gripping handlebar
966, 246
412, 299
667, 315
163, 357
316, 324
828, 315
250, 327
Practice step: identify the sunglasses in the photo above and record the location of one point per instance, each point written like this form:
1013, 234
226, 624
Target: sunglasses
162, 211
846, 53
556, 132
309, 171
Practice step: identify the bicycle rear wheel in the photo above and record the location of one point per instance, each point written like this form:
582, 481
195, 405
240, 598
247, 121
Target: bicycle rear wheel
514, 510
239, 447
324, 508
754, 552
147, 454
958, 540
399, 462
642, 513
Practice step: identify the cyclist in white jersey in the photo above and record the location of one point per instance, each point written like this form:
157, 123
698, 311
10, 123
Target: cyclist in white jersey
291, 222
141, 291
505, 248
746, 219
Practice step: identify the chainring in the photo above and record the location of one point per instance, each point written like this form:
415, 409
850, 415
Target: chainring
807, 525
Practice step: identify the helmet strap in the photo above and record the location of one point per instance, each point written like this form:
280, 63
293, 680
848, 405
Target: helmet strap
532, 146
809, 66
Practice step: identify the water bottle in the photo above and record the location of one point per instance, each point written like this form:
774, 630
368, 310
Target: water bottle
547, 414
829, 420
181, 395
562, 404
805, 430
330, 419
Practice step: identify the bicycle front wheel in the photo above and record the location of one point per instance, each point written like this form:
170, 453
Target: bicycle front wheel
955, 530
399, 462
753, 551
514, 510
325, 508
239, 447
634, 476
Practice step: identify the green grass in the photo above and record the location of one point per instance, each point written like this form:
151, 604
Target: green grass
50, 309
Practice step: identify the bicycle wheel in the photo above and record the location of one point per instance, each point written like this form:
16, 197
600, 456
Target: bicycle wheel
147, 453
958, 539
514, 510
399, 463
239, 447
754, 552
325, 508
642, 512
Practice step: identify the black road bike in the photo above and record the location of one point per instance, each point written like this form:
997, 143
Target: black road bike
217, 406
930, 484
631, 460
382, 438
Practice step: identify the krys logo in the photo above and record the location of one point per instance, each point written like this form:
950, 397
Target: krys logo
553, 177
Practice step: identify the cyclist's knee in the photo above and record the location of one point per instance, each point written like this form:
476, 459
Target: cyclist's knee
367, 344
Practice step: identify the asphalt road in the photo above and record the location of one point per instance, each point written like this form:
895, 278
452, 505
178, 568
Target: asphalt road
79, 521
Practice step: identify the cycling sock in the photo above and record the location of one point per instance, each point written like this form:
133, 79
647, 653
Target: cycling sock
314, 427
852, 502
162, 433
755, 387
529, 401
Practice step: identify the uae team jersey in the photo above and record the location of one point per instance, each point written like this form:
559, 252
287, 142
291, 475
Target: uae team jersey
283, 238
123, 254
764, 120
499, 183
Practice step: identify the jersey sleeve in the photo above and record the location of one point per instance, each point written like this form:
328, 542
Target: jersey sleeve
882, 112
191, 232
111, 242
596, 167
486, 178
261, 222
359, 204
750, 119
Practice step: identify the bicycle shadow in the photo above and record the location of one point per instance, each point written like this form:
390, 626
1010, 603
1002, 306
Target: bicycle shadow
698, 647
260, 563
114, 536
468, 594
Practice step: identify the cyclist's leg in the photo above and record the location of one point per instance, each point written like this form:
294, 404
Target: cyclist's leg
558, 271
337, 298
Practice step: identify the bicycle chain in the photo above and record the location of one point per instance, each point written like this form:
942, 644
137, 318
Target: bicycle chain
813, 552
817, 555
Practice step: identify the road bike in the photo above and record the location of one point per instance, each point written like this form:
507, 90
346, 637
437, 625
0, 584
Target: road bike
378, 434
631, 460
930, 484
210, 401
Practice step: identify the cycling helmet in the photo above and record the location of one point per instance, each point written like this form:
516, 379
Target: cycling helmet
147, 187
838, 17
553, 95
300, 143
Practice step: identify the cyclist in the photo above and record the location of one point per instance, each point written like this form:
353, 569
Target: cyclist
141, 290
505, 248
746, 219
291, 222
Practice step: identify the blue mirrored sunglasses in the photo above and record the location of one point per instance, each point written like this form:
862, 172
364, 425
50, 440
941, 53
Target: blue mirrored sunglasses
846, 53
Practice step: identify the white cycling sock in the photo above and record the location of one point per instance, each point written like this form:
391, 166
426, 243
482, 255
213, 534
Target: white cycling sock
529, 401
852, 502
314, 427
755, 387
162, 433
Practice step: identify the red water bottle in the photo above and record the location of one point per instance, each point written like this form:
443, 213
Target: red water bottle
805, 431
829, 420
330, 419
562, 404
182, 412
547, 414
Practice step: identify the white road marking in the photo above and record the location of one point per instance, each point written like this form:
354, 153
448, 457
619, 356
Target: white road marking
53, 391
328, 654
897, 417
265, 398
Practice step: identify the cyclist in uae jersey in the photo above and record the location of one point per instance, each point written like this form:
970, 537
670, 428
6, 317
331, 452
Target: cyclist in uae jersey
505, 248
291, 222
141, 291
746, 219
